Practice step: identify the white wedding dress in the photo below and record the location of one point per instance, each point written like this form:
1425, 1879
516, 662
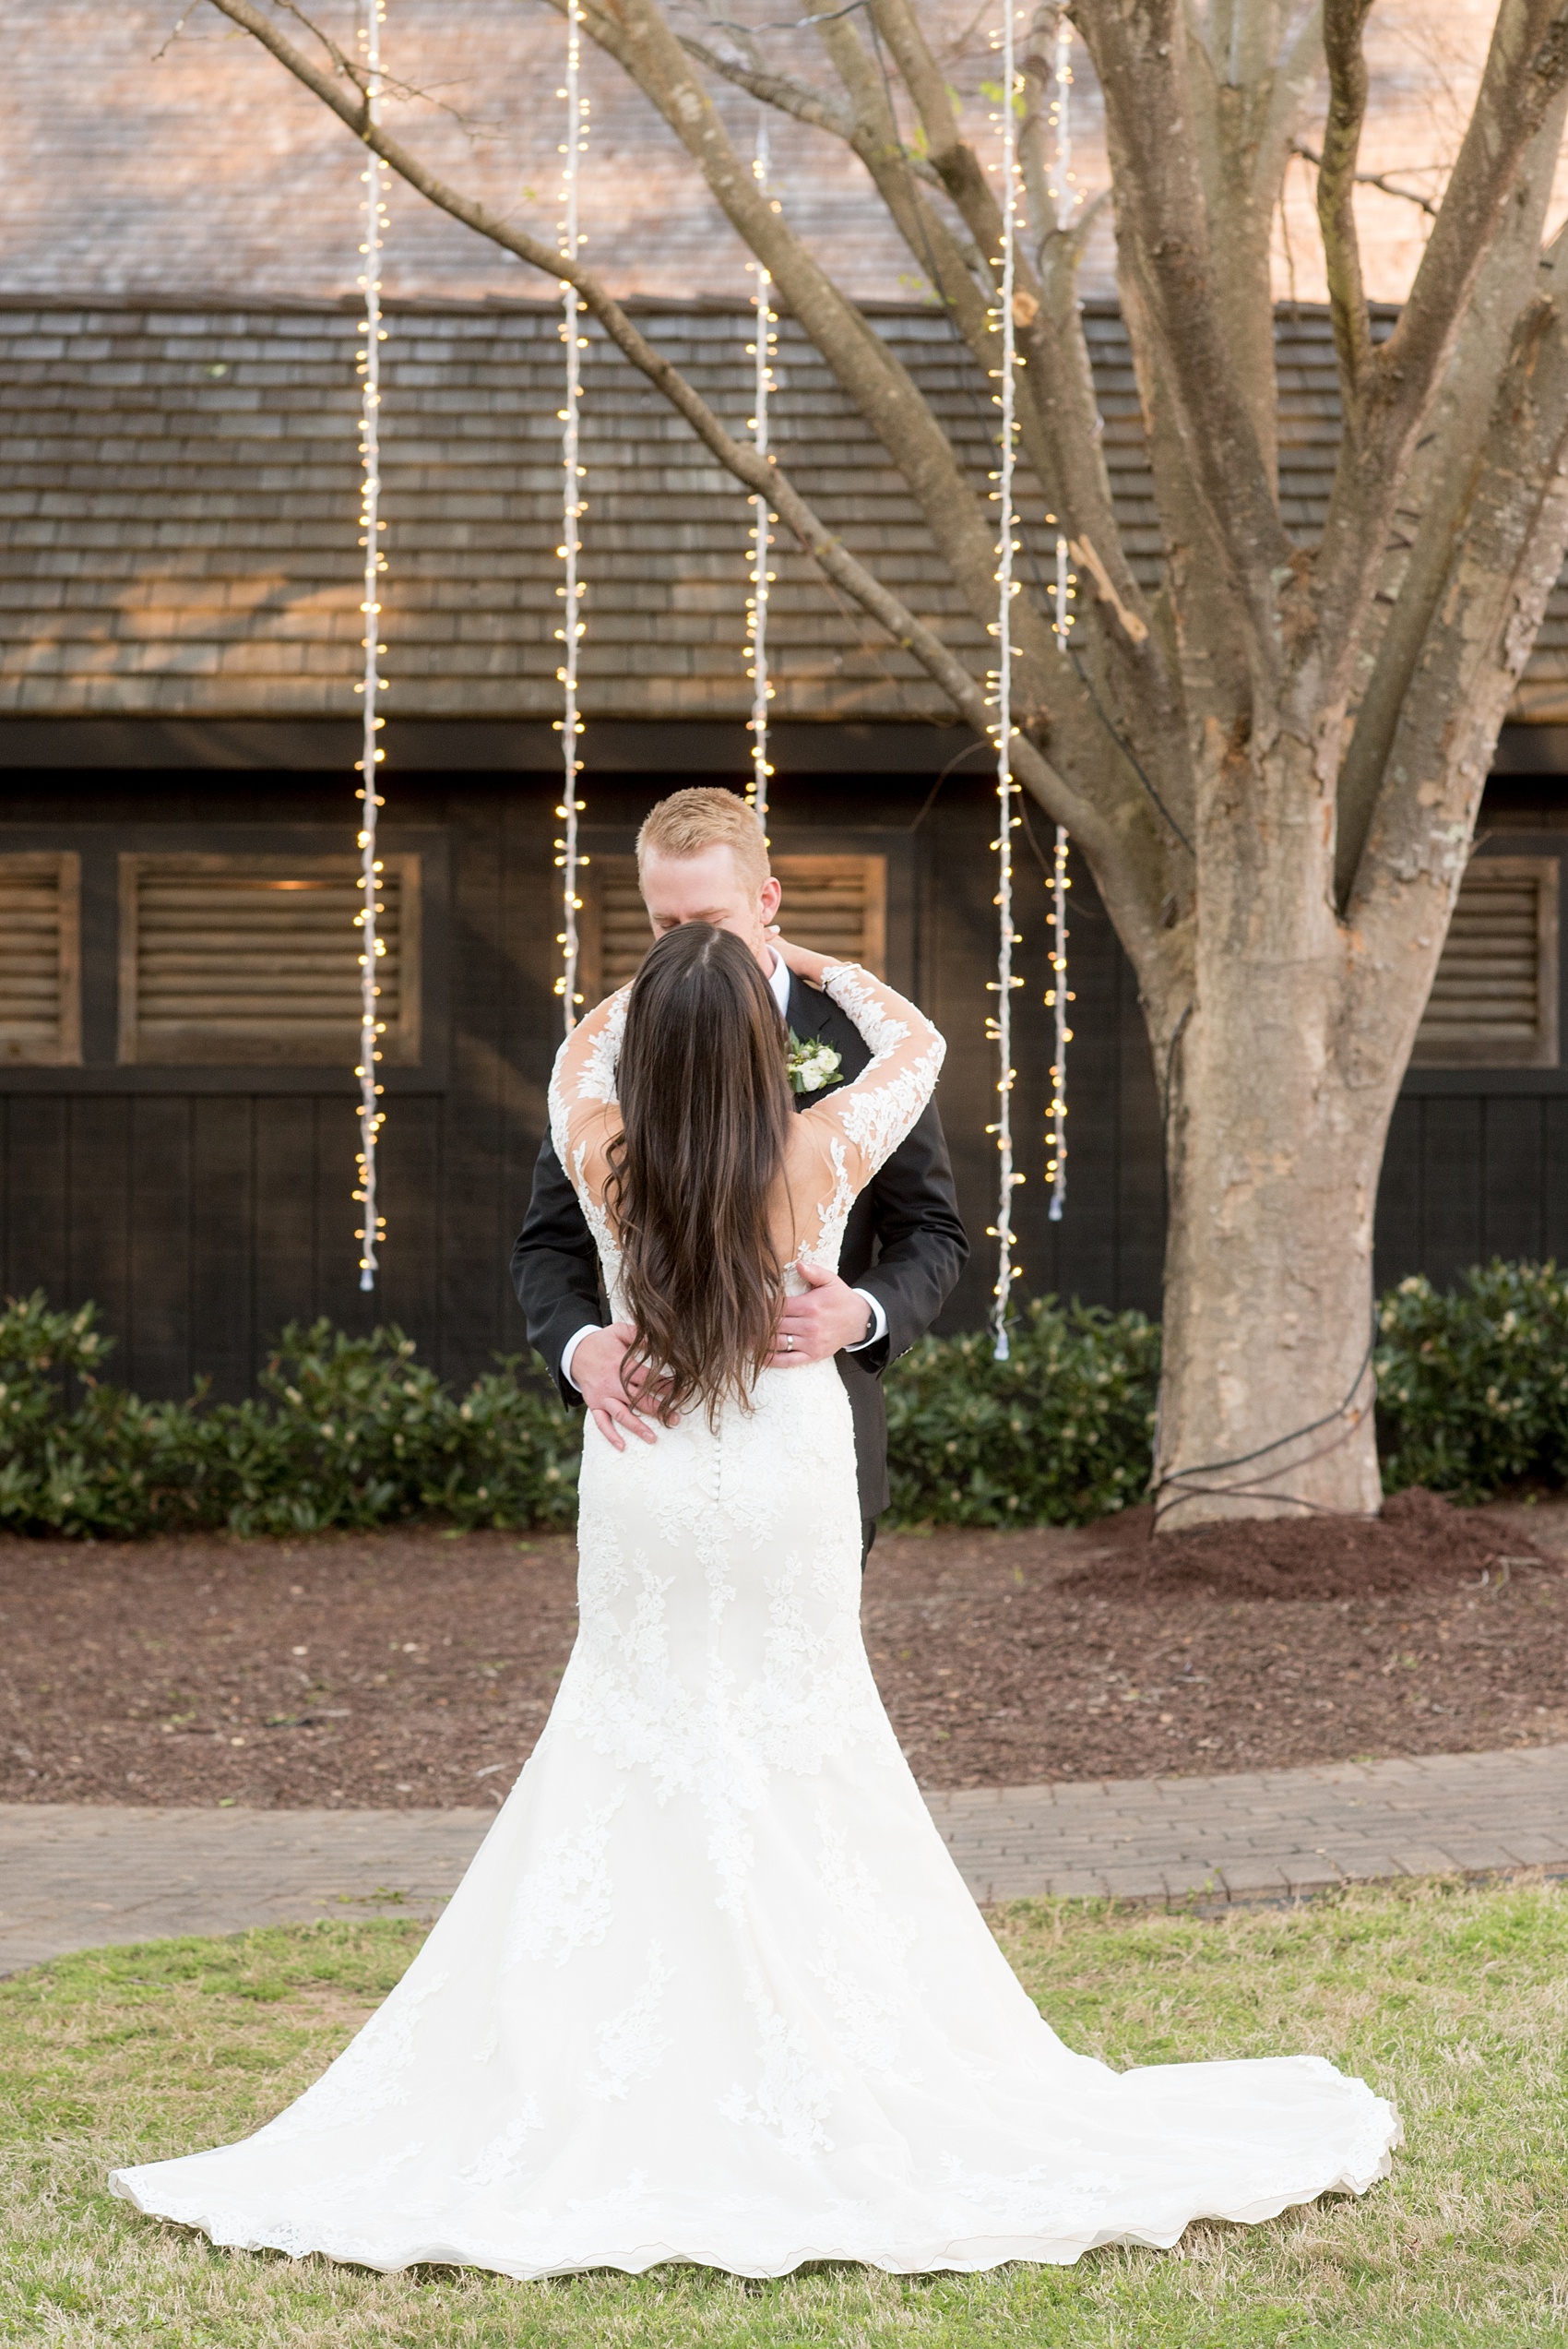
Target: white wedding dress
713, 1989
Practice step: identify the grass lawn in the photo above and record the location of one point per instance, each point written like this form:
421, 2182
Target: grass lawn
1453, 2002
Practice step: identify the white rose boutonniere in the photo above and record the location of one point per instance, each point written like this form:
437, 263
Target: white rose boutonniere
811, 1066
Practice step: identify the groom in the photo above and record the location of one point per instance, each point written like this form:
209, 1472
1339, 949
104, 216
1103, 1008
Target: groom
702, 857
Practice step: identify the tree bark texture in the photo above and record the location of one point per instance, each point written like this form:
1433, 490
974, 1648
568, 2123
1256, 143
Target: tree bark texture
1272, 761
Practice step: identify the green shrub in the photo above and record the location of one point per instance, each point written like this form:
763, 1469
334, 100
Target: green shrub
1472, 1382
353, 1431
347, 1432
1060, 1433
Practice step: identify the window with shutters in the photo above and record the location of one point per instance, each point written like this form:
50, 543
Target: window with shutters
41, 1020
835, 904
1494, 1000
254, 961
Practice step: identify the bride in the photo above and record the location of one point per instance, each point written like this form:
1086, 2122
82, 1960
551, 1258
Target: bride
712, 1989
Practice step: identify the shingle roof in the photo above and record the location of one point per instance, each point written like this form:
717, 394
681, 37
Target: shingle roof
178, 520
138, 163
151, 149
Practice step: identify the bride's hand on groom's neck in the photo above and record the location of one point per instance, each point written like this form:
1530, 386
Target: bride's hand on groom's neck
801, 960
616, 1396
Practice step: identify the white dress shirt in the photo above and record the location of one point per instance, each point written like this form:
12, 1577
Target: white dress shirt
779, 980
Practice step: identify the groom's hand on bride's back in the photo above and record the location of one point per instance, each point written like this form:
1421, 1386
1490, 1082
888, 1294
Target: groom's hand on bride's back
616, 1398
830, 1317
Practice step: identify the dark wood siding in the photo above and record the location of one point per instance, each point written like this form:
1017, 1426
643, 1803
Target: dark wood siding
203, 1209
1470, 1178
1108, 1246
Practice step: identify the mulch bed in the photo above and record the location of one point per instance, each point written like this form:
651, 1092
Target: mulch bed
413, 1669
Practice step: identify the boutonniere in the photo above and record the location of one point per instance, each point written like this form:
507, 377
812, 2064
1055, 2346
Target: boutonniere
811, 1066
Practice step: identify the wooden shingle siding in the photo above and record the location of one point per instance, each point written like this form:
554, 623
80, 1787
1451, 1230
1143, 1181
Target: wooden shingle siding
835, 905
178, 537
1494, 999
40, 958
254, 961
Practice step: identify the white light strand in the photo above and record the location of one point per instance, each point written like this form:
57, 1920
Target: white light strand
1063, 185
573, 506
762, 352
1065, 196
372, 946
1001, 1028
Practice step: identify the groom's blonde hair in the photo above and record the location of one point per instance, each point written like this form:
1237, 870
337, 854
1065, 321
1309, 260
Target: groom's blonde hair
690, 822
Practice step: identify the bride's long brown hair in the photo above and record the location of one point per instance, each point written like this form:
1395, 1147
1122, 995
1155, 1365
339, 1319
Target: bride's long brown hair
705, 1112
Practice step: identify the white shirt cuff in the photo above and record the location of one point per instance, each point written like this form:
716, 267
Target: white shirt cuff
589, 1329
877, 1332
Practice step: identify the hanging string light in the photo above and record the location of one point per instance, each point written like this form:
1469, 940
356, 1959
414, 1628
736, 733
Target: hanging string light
1064, 196
1064, 182
1001, 1028
372, 946
762, 352
569, 860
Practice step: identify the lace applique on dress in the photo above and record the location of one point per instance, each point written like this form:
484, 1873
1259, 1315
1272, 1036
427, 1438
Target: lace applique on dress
566, 1901
596, 1219
877, 1120
596, 1082
1039, 2201
876, 1112
862, 1960
791, 2096
506, 2155
633, 2043
835, 1215
854, 991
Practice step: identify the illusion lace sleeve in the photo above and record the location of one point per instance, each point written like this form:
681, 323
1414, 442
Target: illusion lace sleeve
871, 1116
584, 1114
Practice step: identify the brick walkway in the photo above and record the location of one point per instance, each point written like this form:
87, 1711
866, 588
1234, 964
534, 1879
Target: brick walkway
1266, 1834
78, 1878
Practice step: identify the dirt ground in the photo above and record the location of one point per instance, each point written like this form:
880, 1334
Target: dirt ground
415, 1668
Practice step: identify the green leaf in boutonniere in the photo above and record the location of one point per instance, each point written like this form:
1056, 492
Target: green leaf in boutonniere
811, 1066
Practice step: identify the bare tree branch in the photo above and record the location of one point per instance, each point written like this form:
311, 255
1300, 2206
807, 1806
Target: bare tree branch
1477, 643
1343, 24
1438, 488
1170, 302
1247, 100
881, 146
1059, 424
789, 96
1527, 67
1379, 180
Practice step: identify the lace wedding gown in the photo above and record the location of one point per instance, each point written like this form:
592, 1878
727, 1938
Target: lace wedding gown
713, 1989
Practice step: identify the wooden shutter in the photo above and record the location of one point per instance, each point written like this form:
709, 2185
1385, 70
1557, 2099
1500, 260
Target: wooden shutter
41, 1018
837, 905
1493, 1002
254, 961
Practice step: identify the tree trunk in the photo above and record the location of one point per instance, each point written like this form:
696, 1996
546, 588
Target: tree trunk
1266, 1404
1272, 1146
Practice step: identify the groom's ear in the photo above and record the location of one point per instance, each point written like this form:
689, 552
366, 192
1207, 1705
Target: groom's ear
768, 903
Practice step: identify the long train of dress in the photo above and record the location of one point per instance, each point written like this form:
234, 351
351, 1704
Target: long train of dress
713, 1989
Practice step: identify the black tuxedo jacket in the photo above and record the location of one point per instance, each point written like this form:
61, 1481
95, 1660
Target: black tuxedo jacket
903, 1245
